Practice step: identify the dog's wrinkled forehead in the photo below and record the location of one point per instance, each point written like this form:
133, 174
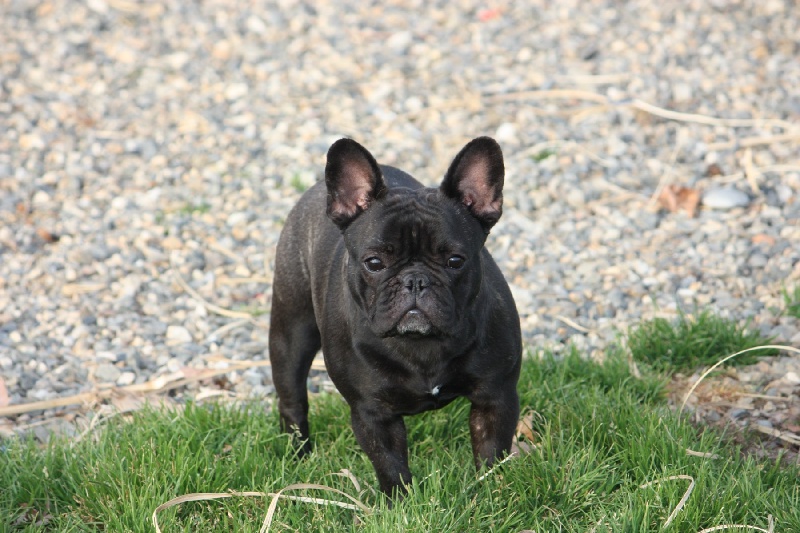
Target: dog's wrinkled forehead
424, 201
421, 220
417, 206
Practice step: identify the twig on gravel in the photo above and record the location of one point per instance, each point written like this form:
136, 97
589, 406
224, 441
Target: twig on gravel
208, 305
585, 112
708, 120
749, 142
571, 323
595, 79
217, 247
780, 168
159, 384
316, 364
621, 194
729, 178
86, 397
783, 435
641, 105
751, 173
218, 333
763, 396
551, 94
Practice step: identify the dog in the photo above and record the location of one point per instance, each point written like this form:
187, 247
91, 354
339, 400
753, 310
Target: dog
392, 280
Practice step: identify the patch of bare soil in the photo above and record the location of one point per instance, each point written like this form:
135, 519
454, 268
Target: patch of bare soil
758, 405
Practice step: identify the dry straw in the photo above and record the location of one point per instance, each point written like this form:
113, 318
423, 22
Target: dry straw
357, 505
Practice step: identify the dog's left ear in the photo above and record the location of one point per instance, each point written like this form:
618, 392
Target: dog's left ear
354, 181
475, 179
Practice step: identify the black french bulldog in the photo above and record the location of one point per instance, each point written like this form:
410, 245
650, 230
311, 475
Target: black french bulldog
392, 281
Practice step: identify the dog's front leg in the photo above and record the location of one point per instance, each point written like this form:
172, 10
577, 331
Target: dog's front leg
492, 423
383, 438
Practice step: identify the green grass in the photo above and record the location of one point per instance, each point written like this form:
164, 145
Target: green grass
599, 435
791, 300
190, 208
186, 209
252, 310
297, 183
688, 343
544, 154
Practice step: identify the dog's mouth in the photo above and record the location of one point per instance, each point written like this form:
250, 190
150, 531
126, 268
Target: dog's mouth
414, 324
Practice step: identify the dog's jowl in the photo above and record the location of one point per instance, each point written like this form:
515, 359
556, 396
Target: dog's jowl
392, 280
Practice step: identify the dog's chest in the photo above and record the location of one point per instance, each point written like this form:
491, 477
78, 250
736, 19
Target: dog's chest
419, 393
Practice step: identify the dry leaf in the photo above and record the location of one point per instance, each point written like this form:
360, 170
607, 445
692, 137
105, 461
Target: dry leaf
676, 197
525, 427
524, 437
46, 236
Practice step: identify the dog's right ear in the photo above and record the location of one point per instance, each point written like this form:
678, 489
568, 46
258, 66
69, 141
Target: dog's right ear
354, 181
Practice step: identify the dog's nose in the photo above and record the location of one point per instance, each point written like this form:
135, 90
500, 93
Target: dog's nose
416, 282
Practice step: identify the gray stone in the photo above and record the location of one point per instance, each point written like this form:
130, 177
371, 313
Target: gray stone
736, 414
107, 373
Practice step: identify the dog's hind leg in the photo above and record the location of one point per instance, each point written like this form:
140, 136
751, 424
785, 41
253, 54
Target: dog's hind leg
294, 340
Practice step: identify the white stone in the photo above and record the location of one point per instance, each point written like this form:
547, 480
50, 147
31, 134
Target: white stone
234, 91
256, 25
98, 6
725, 198
681, 92
237, 218
120, 203
399, 41
126, 378
506, 132
178, 335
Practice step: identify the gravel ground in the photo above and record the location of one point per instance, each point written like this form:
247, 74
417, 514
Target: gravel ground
149, 147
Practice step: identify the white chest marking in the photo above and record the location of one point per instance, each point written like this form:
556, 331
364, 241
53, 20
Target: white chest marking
435, 390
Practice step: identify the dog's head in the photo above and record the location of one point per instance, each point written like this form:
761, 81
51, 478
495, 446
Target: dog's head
414, 255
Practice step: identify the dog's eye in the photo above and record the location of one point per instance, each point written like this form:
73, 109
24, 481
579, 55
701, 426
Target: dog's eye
374, 264
455, 262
